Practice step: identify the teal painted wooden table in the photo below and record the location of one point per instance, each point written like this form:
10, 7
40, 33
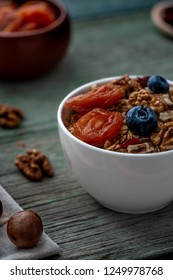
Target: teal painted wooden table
108, 39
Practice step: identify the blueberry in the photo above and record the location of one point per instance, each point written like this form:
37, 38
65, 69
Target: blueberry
158, 84
141, 120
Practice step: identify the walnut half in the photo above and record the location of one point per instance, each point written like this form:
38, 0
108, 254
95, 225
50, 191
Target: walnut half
34, 165
10, 116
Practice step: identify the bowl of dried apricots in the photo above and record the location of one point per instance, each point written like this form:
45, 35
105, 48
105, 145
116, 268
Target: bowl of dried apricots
117, 136
34, 37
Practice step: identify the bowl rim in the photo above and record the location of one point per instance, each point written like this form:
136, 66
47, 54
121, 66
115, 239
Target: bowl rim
56, 23
83, 89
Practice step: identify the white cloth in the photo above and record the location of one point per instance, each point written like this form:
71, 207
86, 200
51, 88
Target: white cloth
8, 251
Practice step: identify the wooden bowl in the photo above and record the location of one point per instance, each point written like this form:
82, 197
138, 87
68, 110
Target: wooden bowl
30, 54
160, 14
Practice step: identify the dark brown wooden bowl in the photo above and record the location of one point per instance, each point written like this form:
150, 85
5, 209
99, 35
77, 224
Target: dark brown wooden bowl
30, 54
162, 17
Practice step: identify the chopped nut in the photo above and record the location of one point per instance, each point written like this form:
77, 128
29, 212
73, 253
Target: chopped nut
166, 148
107, 144
167, 124
156, 137
139, 148
10, 116
167, 99
34, 165
144, 97
164, 116
113, 147
128, 83
167, 137
171, 93
164, 136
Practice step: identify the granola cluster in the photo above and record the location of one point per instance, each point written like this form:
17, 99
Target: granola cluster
34, 165
143, 97
137, 93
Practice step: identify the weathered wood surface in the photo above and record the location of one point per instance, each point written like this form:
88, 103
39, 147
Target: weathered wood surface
84, 229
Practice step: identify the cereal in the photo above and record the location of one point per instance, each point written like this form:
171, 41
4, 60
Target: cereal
135, 93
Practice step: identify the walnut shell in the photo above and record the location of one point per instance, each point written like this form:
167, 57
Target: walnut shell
24, 229
1, 208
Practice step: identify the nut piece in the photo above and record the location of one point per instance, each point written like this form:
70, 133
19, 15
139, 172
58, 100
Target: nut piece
24, 229
171, 93
168, 115
143, 97
10, 116
1, 208
128, 83
34, 165
164, 136
29, 169
139, 148
43, 161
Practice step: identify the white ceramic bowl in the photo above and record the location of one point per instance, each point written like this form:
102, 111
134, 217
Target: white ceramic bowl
129, 183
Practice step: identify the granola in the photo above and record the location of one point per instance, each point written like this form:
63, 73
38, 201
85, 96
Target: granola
132, 92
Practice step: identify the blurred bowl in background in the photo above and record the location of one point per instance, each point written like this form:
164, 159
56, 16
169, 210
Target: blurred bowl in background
162, 17
30, 54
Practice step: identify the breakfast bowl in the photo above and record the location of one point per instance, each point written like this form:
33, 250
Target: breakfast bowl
134, 180
34, 41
